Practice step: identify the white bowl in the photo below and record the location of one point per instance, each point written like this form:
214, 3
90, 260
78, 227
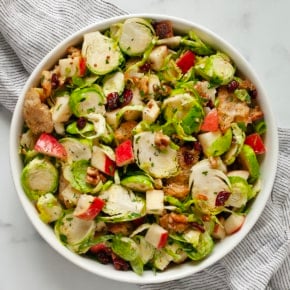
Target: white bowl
268, 166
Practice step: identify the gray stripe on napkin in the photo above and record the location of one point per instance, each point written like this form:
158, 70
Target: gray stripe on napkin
262, 260
29, 29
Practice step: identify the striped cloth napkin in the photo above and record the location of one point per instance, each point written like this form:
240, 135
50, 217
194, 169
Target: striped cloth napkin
31, 28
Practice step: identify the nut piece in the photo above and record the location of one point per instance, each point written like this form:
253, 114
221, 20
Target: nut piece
161, 141
94, 176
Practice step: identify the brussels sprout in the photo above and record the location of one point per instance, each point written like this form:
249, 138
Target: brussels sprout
137, 265
185, 109
203, 248
75, 233
140, 183
214, 143
207, 182
76, 174
114, 82
236, 146
77, 149
136, 36
82, 82
157, 163
49, 208
243, 95
175, 250
216, 68
248, 159
192, 237
161, 259
102, 53
39, 177
121, 204
88, 100
73, 129
146, 250
125, 247
170, 72
240, 190
196, 44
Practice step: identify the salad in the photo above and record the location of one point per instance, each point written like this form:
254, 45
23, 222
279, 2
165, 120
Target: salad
141, 146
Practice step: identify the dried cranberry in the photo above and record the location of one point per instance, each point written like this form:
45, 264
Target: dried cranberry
254, 94
113, 100
126, 97
188, 157
232, 85
145, 67
119, 263
81, 123
54, 81
222, 197
210, 104
197, 146
104, 257
198, 227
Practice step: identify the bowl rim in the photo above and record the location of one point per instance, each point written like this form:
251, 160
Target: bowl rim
171, 274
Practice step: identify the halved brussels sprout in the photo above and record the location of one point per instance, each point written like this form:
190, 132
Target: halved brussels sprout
136, 36
114, 82
216, 68
39, 177
206, 183
88, 100
248, 159
140, 183
77, 149
121, 204
76, 174
240, 190
236, 146
157, 163
215, 143
49, 208
146, 250
75, 233
184, 109
203, 248
102, 53
125, 247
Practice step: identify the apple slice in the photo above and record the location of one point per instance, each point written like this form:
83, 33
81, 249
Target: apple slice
155, 201
219, 232
88, 207
124, 153
233, 223
156, 236
48, 145
102, 161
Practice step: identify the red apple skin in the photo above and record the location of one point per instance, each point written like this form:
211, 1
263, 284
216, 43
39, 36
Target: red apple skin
163, 240
49, 145
102, 162
124, 153
98, 247
93, 209
110, 166
156, 236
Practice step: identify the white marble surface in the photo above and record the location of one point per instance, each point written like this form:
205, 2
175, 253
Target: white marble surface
258, 29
